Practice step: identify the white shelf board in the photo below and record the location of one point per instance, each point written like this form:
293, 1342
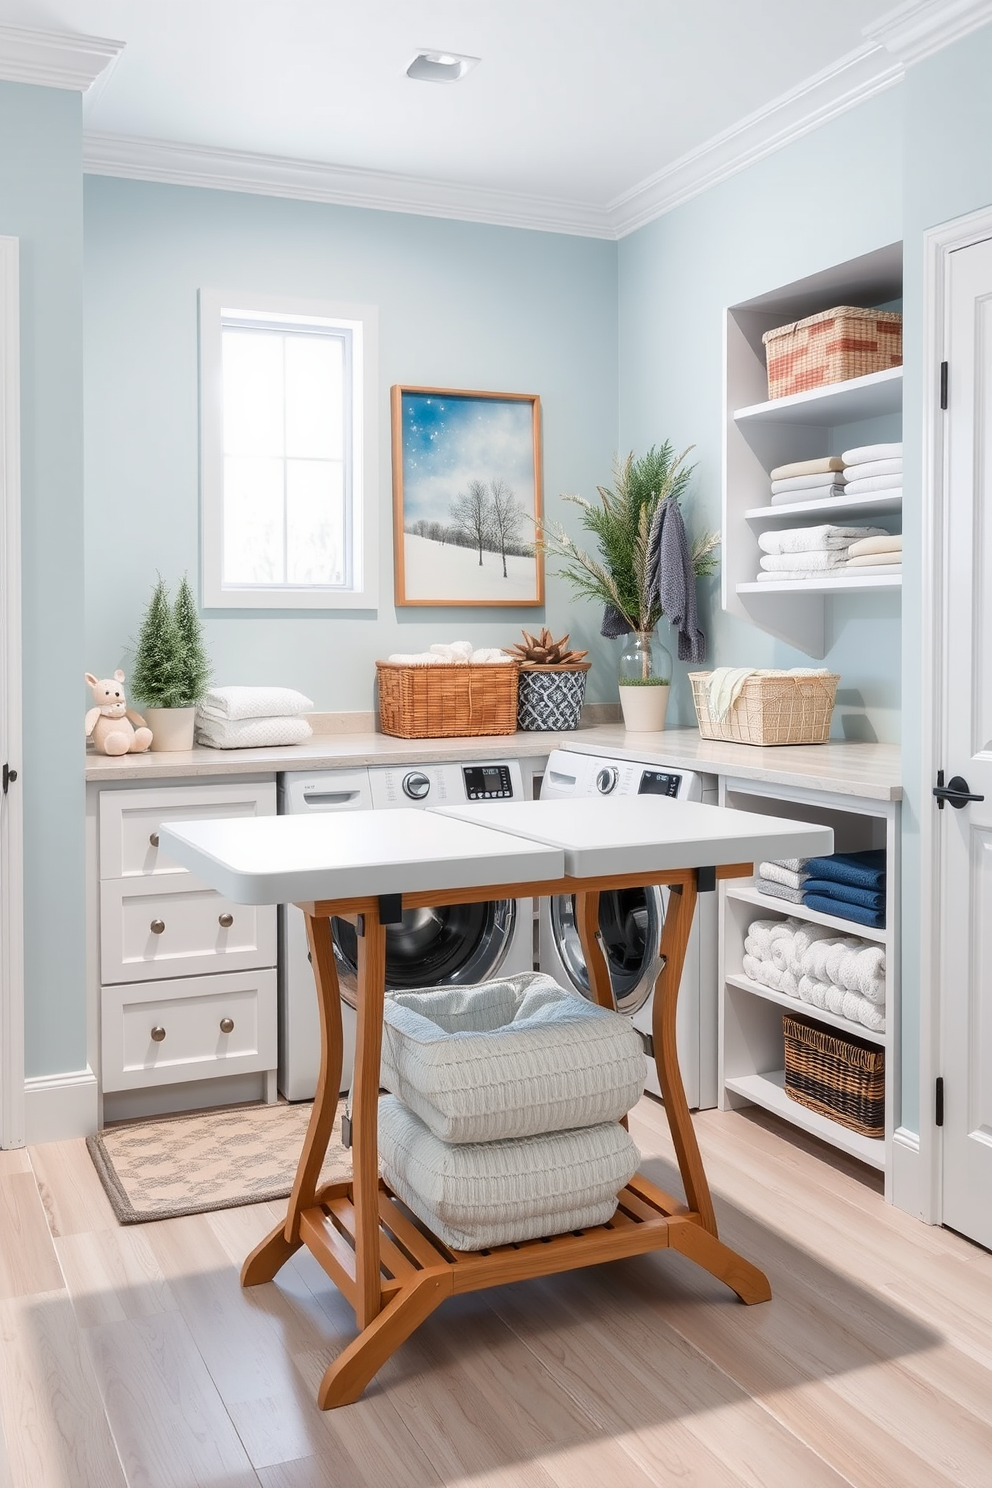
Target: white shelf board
837, 403
846, 584
768, 901
805, 1009
768, 1091
883, 504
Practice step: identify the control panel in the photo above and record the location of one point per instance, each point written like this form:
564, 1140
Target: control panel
487, 782
658, 783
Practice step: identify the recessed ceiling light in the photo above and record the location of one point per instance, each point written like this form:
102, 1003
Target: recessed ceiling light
440, 67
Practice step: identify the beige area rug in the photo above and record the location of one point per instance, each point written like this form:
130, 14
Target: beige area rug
214, 1160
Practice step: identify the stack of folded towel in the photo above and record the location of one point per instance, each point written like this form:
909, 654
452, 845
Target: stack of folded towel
811, 552
843, 975
850, 886
808, 480
873, 468
460, 653
875, 555
252, 717
782, 878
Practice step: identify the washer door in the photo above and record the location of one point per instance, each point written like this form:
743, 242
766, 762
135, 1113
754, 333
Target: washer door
447, 945
630, 922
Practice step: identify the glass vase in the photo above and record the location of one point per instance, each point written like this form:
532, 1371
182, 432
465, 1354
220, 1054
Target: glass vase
644, 675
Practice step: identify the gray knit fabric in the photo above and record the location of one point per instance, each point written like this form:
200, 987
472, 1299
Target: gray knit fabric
671, 578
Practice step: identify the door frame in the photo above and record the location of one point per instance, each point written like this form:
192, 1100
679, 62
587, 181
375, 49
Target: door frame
11, 816
938, 244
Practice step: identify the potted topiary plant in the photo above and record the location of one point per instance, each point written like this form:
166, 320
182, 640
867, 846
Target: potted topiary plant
552, 682
628, 523
170, 670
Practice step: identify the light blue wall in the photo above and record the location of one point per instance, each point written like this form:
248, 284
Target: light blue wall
831, 196
460, 305
41, 205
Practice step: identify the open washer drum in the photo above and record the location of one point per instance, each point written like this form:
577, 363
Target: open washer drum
631, 922
449, 945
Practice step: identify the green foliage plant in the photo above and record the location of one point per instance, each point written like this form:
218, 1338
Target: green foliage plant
170, 668
624, 522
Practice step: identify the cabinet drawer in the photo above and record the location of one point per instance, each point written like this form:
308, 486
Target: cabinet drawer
189, 1029
152, 928
129, 821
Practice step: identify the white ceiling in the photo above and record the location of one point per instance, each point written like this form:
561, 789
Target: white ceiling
579, 102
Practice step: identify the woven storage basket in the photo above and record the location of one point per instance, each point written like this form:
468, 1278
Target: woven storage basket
438, 702
839, 1077
770, 710
831, 347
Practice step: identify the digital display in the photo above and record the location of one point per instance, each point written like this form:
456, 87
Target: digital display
487, 782
659, 783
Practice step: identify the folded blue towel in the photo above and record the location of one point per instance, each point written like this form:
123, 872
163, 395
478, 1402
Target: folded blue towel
828, 888
865, 870
842, 911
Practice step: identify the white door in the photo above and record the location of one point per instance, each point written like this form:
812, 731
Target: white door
964, 831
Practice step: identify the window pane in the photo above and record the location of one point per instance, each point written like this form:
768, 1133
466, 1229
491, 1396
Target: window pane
253, 393
254, 542
314, 397
315, 522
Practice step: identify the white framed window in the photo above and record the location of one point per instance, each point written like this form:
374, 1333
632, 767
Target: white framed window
288, 438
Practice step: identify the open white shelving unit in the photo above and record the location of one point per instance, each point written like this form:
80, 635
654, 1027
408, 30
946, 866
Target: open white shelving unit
752, 1047
760, 434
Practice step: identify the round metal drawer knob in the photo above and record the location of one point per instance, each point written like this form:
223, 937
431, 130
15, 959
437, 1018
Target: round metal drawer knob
153, 839
158, 1034
226, 920
227, 1025
157, 927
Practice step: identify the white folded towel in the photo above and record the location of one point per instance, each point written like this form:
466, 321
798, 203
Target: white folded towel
778, 874
870, 468
813, 992
452, 650
889, 485
807, 482
453, 655
866, 452
890, 543
818, 562
794, 865
821, 465
812, 493
797, 575
253, 702
824, 538
251, 733
860, 1010
858, 569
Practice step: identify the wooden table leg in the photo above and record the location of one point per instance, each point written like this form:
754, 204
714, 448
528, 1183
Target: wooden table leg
365, 1114
587, 922
277, 1247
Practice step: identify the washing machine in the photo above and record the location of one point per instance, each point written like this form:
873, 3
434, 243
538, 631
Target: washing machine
631, 920
452, 945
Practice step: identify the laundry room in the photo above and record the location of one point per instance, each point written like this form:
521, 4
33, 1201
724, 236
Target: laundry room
593, 639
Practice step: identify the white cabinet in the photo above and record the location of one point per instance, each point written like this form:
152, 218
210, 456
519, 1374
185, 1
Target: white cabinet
187, 979
751, 1057
760, 434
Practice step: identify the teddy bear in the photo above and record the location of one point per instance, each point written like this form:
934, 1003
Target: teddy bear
115, 728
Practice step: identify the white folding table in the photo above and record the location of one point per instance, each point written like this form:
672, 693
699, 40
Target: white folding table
374, 865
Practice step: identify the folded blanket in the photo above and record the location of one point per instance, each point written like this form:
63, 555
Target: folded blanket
813, 493
778, 873
891, 485
808, 482
866, 870
892, 559
870, 468
808, 467
824, 538
889, 542
251, 733
236, 703
860, 1010
866, 452
854, 912
778, 891
818, 562
829, 888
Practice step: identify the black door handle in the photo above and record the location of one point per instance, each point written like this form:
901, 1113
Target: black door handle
957, 791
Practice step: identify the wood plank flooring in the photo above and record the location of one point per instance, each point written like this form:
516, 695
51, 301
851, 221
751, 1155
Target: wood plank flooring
132, 1358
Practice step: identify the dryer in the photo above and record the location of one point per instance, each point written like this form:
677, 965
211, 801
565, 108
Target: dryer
631, 920
454, 944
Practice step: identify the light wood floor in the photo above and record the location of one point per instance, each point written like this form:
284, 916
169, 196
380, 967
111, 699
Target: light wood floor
132, 1356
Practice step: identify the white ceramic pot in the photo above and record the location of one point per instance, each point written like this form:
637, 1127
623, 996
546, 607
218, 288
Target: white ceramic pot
644, 709
172, 728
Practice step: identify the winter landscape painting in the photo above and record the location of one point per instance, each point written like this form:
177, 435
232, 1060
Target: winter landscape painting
467, 490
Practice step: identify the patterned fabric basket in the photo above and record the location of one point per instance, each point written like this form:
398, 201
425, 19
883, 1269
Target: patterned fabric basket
551, 697
831, 347
770, 710
836, 1076
438, 702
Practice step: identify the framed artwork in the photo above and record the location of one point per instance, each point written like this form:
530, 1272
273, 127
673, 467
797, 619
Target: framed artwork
466, 493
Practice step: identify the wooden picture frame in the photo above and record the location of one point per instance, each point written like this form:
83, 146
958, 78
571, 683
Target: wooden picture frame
466, 497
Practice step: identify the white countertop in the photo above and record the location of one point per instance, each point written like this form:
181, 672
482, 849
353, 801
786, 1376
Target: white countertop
851, 767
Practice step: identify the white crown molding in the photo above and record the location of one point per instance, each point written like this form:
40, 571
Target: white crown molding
54, 59
838, 88
271, 175
916, 30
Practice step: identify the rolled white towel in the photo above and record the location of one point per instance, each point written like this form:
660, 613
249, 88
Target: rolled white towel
790, 983
453, 650
814, 959
835, 955
860, 1010
782, 953
754, 948
862, 970
808, 934
813, 991
489, 655
763, 972
777, 874
760, 932
415, 658
835, 999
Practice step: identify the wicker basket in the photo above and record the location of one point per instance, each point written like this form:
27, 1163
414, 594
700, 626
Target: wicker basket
779, 709
836, 1076
831, 347
438, 702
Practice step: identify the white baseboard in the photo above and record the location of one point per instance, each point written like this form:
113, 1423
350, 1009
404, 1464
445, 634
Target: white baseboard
58, 1107
907, 1186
